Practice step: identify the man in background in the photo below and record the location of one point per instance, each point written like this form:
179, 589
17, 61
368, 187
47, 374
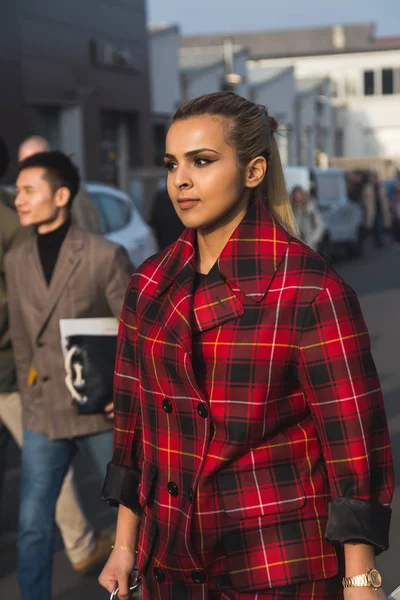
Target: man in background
84, 547
61, 272
83, 213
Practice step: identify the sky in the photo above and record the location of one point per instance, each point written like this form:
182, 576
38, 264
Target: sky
208, 16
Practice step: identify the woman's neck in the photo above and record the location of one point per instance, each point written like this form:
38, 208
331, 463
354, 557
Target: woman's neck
211, 241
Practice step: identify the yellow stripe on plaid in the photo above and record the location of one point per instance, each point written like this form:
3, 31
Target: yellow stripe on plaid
156, 341
362, 457
313, 489
285, 562
174, 308
271, 241
214, 303
339, 339
171, 451
129, 326
168, 450
263, 344
275, 564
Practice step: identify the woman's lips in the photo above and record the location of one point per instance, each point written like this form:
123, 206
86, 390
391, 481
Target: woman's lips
186, 203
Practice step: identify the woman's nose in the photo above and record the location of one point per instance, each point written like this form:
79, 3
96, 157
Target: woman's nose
181, 178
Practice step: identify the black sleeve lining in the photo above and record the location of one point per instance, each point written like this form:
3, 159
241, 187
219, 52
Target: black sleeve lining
358, 521
120, 487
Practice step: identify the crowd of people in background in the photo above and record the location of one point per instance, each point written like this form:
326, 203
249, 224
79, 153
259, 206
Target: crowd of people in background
366, 188
380, 206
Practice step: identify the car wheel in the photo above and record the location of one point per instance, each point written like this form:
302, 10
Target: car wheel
356, 249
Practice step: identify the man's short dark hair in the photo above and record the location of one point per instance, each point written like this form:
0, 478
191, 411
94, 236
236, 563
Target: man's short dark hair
60, 171
4, 157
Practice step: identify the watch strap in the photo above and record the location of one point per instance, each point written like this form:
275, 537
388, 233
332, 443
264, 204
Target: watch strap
357, 581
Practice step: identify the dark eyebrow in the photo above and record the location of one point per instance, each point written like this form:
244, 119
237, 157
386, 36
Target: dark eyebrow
192, 153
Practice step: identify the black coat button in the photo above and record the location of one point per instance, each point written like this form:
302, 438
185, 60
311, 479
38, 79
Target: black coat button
198, 576
190, 495
40, 344
172, 488
158, 574
167, 405
202, 410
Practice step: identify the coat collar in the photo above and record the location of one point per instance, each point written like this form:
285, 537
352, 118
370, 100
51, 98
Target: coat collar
248, 262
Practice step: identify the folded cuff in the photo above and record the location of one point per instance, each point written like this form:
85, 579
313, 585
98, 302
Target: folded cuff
120, 487
358, 521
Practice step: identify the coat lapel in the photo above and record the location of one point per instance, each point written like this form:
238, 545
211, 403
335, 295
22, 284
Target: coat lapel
37, 271
253, 254
215, 303
245, 270
175, 290
68, 260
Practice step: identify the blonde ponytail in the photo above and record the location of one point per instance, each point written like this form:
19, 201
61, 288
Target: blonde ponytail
275, 194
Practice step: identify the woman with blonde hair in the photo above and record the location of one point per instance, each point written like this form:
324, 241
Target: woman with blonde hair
251, 457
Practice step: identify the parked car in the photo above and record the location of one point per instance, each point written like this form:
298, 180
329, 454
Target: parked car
343, 218
121, 222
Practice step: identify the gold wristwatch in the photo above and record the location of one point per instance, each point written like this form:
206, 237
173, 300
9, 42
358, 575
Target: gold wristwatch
372, 578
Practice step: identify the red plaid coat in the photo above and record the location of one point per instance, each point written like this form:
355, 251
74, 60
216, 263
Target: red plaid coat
250, 430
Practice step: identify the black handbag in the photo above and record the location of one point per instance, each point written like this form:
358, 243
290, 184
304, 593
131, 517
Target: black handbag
89, 366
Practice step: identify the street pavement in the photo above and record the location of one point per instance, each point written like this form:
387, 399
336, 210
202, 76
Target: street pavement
376, 278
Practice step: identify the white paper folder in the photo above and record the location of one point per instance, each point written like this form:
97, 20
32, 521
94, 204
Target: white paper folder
96, 326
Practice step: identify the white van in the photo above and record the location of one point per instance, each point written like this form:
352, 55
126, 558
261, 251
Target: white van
343, 218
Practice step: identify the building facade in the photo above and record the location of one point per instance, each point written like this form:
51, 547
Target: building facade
78, 74
347, 80
204, 69
165, 81
276, 90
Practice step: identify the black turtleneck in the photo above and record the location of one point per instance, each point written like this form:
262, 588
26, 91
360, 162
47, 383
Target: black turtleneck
49, 246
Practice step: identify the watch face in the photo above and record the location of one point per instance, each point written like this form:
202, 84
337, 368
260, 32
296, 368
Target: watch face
376, 578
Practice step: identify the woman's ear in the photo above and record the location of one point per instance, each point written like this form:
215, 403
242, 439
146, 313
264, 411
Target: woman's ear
62, 197
255, 172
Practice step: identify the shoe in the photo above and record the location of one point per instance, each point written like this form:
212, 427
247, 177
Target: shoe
99, 555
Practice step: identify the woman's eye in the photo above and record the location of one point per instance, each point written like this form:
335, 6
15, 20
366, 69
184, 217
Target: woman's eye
169, 166
201, 162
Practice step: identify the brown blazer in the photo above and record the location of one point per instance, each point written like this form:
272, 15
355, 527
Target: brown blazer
90, 280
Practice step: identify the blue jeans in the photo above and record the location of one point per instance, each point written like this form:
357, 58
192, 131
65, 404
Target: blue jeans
43, 468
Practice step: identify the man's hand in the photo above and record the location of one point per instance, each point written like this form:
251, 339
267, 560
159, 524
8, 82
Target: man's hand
109, 411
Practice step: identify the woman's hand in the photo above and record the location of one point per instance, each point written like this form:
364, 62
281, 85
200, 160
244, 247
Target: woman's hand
117, 571
109, 411
363, 593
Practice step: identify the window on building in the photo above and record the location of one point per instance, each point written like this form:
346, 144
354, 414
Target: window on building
45, 121
339, 141
305, 146
387, 81
134, 141
109, 147
369, 83
350, 86
396, 81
